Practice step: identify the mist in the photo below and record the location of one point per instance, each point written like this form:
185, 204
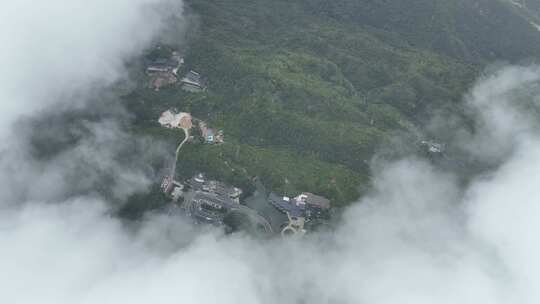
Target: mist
65, 49
61, 60
419, 236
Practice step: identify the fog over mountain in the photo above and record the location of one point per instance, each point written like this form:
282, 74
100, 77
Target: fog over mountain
60, 48
60, 56
418, 236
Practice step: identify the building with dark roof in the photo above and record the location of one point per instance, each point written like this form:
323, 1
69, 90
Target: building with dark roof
306, 205
285, 205
192, 82
161, 65
200, 183
316, 201
210, 208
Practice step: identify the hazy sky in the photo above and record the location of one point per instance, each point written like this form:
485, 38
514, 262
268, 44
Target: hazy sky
418, 237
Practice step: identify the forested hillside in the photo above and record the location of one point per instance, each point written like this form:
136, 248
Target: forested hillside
471, 30
307, 90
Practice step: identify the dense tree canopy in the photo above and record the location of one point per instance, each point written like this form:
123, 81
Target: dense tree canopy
307, 90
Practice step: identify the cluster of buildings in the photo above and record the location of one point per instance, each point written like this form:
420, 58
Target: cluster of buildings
200, 183
209, 201
164, 71
173, 119
206, 201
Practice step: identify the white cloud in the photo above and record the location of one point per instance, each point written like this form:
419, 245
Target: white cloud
417, 238
56, 49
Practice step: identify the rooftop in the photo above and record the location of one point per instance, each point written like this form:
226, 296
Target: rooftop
285, 205
193, 78
199, 183
313, 200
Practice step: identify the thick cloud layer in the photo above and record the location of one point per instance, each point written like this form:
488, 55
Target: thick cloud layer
418, 237
59, 49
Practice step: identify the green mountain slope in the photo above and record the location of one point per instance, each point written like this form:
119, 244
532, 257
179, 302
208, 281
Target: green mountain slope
307, 90
471, 30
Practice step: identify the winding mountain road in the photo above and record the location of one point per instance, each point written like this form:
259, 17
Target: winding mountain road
254, 216
186, 134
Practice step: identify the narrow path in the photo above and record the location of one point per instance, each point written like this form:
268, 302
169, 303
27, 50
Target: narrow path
186, 134
252, 214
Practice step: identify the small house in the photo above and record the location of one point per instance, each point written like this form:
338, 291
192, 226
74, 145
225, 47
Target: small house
172, 188
192, 82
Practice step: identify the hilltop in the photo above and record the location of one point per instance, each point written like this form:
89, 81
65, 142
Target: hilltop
308, 90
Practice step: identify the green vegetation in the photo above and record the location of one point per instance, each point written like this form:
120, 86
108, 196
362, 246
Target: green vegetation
139, 203
287, 172
307, 90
